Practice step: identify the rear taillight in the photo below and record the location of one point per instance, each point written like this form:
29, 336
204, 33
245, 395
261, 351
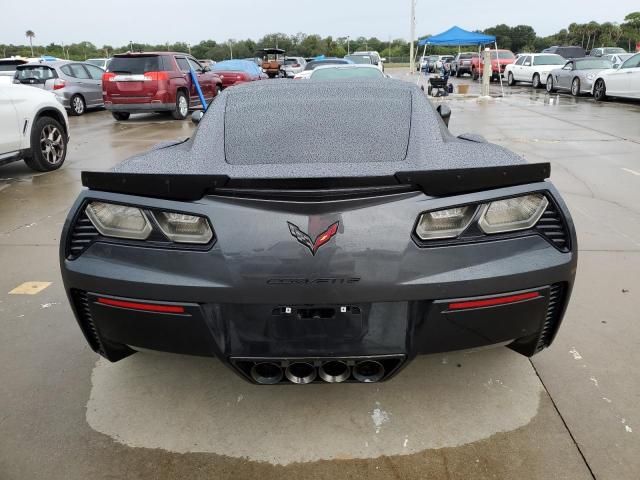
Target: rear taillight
152, 76
108, 77
58, 84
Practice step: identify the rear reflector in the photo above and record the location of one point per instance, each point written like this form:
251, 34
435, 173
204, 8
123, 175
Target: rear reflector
489, 302
145, 307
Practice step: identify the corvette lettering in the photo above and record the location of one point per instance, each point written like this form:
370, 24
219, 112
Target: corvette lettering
313, 281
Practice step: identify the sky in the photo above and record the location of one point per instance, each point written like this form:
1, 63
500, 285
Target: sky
116, 22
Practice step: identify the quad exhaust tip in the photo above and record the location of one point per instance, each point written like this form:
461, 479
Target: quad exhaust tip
334, 371
301, 372
368, 371
266, 373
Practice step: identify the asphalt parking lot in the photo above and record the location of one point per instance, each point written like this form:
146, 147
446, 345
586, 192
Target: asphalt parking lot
570, 413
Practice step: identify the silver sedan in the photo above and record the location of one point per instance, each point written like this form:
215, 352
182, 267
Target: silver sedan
576, 75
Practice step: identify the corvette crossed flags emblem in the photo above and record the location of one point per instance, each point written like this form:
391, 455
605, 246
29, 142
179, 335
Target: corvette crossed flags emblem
305, 239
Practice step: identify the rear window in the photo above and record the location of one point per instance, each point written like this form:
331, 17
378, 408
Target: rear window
467, 56
502, 55
35, 74
346, 73
290, 61
312, 65
10, 65
361, 59
136, 65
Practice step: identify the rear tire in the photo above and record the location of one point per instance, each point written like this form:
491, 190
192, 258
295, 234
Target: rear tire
77, 105
575, 87
458, 74
535, 81
182, 107
510, 80
121, 116
475, 75
48, 145
600, 91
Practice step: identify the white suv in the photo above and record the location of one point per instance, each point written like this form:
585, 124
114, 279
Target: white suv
376, 59
33, 127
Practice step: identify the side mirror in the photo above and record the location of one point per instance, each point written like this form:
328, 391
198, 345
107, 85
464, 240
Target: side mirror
383, 59
197, 116
445, 113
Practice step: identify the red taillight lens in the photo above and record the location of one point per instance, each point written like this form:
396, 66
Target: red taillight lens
108, 77
58, 84
145, 307
150, 76
490, 302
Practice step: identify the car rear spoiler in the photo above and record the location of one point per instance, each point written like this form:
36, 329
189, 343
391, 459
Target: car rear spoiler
437, 183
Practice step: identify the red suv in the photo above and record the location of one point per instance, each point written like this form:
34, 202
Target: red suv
499, 61
156, 82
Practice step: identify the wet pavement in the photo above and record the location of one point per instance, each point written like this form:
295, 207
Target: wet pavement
572, 412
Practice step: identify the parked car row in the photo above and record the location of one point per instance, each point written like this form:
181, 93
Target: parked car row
595, 75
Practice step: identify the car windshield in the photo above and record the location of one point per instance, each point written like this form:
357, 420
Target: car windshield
502, 55
10, 65
346, 73
548, 60
592, 63
39, 73
316, 63
623, 57
360, 59
135, 65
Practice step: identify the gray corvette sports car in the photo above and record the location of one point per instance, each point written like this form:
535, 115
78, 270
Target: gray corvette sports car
383, 238
576, 75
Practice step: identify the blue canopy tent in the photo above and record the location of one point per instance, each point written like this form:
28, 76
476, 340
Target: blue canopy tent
456, 36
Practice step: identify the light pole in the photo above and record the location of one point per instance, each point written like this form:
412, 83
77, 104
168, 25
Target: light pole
348, 45
231, 48
413, 35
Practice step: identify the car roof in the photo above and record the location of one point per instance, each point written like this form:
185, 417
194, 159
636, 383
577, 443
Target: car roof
45, 63
347, 65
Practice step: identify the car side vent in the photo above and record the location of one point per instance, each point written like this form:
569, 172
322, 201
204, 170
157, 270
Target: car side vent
554, 309
81, 302
83, 233
553, 228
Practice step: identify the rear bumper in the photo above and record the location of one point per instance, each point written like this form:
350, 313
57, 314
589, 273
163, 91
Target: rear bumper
139, 107
371, 291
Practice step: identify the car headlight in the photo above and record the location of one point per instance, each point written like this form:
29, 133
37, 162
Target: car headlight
120, 221
590, 76
448, 223
183, 228
512, 214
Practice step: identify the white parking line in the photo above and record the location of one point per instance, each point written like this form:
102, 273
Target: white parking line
632, 172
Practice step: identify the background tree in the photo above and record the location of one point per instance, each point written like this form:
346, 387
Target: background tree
30, 34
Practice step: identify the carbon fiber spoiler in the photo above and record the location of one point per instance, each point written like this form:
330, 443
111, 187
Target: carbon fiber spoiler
437, 183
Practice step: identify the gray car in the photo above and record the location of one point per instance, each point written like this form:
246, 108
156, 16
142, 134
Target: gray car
384, 238
77, 85
576, 75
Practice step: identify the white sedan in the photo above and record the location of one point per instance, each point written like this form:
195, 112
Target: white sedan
33, 127
623, 81
533, 68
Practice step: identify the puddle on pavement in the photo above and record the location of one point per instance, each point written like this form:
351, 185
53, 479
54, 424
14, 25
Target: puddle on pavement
188, 404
